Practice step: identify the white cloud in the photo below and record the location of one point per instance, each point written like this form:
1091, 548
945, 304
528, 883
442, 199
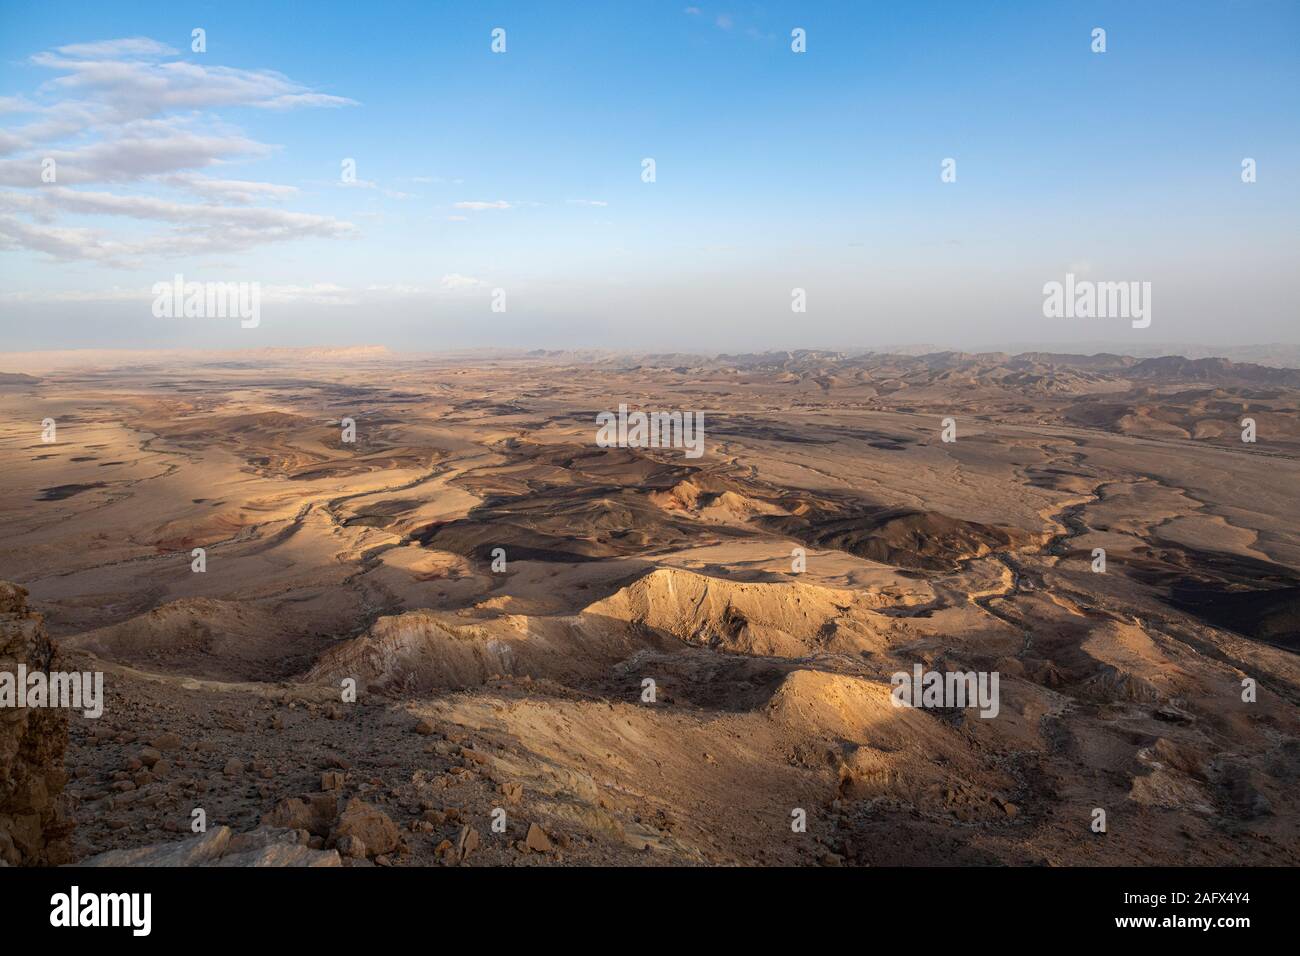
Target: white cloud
479, 205
115, 49
454, 282
58, 242
133, 152
123, 112
115, 294
197, 227
17, 104
316, 293
135, 89
230, 190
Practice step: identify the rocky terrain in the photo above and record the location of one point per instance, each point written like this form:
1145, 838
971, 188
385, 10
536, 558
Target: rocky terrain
472, 636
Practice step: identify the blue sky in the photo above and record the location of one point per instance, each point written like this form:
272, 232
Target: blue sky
521, 171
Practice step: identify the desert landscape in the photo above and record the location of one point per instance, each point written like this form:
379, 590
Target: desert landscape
569, 654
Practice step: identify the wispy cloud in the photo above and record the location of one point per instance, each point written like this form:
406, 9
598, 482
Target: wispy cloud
314, 293
479, 205
127, 113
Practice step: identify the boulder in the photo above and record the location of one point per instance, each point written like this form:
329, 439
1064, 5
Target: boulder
370, 825
313, 812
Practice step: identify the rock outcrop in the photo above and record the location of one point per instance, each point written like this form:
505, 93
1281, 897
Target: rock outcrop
35, 827
265, 846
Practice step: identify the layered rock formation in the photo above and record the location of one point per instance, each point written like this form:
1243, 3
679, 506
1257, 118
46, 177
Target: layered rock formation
35, 828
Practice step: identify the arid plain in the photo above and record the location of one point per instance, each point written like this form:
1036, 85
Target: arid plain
500, 588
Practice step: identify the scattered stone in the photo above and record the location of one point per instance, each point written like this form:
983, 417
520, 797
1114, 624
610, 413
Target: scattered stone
370, 824
167, 741
466, 842
512, 791
537, 840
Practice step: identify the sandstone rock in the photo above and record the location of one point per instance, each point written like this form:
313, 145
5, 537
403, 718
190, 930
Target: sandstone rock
167, 741
217, 847
352, 848
537, 840
313, 812
33, 813
195, 851
466, 842
369, 824
282, 854
512, 791
261, 838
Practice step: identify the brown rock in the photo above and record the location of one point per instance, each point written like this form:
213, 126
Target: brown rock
370, 824
315, 813
467, 841
167, 741
512, 791
33, 819
537, 840
351, 847
217, 847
